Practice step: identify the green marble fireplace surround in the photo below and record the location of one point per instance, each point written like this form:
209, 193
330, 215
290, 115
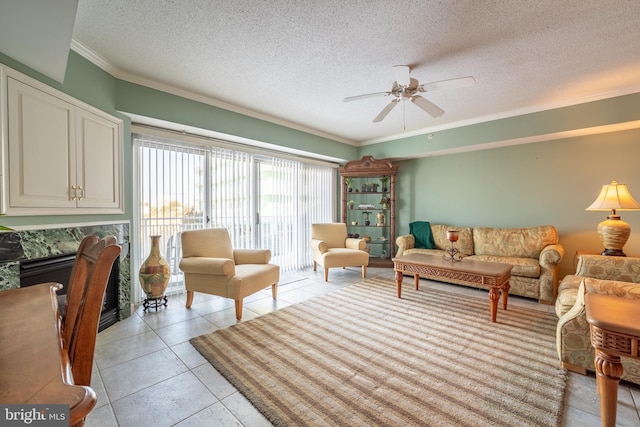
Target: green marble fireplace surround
41, 243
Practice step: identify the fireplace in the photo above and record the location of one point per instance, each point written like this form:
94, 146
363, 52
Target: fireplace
57, 268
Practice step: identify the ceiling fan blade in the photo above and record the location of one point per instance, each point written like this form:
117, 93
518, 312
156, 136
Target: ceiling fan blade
365, 96
448, 84
432, 109
386, 110
402, 75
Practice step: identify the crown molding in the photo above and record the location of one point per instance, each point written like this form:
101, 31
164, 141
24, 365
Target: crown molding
120, 74
506, 114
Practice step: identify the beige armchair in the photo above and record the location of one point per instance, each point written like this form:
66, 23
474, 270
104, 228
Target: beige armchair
212, 266
332, 248
610, 275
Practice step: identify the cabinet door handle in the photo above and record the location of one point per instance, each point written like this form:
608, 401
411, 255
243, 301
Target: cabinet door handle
81, 192
75, 193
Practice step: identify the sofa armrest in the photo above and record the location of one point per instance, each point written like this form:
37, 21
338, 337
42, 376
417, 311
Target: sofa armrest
551, 255
212, 266
572, 333
319, 245
252, 256
352, 243
549, 259
405, 242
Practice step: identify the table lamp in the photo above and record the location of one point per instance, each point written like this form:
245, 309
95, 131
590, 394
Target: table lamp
614, 232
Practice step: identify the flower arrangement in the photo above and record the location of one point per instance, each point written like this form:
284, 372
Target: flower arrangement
348, 181
385, 202
384, 179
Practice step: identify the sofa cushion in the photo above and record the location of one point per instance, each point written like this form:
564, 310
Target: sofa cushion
523, 267
421, 231
465, 238
436, 252
514, 242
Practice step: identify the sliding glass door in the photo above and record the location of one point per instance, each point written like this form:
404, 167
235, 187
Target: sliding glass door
264, 201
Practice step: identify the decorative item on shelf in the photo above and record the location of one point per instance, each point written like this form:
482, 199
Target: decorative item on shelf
384, 180
366, 217
351, 204
380, 219
374, 187
154, 276
614, 232
452, 253
349, 181
366, 206
384, 254
354, 223
382, 239
385, 202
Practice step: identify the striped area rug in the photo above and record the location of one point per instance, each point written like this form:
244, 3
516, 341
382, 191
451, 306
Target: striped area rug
360, 356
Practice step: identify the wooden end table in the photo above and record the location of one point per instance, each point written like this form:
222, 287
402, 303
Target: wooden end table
483, 274
615, 331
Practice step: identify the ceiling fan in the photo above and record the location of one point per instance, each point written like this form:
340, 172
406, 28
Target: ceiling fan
407, 88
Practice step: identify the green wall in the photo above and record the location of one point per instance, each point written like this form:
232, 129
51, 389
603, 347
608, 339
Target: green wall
532, 184
547, 182
145, 101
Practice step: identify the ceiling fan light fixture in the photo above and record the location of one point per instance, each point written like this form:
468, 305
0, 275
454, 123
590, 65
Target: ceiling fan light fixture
406, 87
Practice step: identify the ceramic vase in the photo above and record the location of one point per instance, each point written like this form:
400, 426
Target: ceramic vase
154, 273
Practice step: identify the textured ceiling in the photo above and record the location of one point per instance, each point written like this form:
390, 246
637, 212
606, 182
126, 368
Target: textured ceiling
293, 61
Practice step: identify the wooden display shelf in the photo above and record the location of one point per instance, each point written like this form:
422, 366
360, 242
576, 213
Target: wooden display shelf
365, 171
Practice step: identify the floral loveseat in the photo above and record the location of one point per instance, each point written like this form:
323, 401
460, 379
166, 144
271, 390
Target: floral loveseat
534, 253
600, 274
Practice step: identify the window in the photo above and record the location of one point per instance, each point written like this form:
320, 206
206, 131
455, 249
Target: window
263, 200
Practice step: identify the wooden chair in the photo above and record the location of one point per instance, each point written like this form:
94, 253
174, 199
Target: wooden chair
85, 295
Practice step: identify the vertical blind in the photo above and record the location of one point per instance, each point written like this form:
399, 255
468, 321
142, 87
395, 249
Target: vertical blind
263, 200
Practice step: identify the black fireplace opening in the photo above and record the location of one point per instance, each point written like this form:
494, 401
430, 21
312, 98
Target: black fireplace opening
57, 268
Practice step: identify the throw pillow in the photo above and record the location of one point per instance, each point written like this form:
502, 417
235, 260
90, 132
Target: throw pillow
421, 231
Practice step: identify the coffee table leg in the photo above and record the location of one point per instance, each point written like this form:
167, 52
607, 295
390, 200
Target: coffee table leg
494, 297
505, 295
608, 373
399, 282
416, 281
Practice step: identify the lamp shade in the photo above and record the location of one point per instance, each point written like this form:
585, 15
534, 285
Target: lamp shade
614, 197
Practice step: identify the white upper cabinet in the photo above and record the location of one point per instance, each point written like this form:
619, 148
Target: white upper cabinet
62, 157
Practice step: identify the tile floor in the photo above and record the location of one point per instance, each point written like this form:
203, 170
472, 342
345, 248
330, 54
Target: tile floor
147, 373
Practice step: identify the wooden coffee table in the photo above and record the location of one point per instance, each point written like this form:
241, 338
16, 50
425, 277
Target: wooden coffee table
482, 274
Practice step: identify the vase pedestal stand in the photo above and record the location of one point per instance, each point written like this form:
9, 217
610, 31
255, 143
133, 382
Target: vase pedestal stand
154, 303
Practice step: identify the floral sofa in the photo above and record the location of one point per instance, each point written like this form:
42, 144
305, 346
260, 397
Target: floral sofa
534, 253
601, 274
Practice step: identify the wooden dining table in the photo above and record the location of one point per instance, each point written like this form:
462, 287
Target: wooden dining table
34, 368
